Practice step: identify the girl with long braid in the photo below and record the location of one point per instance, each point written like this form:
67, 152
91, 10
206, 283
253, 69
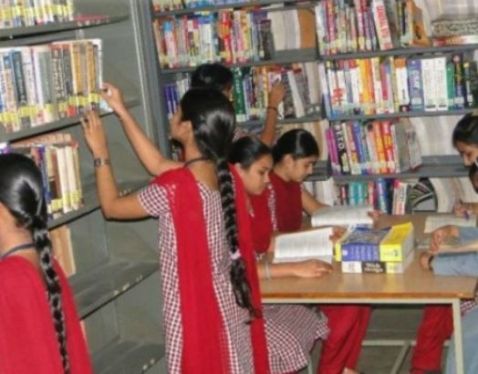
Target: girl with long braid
212, 310
39, 331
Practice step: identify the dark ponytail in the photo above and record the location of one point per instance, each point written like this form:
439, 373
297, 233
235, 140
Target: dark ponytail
21, 193
298, 143
213, 121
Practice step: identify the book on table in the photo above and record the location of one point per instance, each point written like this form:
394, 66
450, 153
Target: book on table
343, 216
304, 245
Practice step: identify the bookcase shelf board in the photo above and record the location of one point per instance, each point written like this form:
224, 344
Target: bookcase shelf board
322, 171
80, 23
281, 58
91, 202
54, 126
260, 122
108, 281
402, 52
237, 5
127, 357
433, 167
410, 114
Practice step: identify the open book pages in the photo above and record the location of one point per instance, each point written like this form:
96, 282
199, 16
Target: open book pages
436, 221
343, 216
304, 245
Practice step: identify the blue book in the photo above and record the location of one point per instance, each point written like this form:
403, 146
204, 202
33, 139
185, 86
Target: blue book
362, 244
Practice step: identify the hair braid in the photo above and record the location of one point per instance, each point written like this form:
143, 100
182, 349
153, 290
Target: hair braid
21, 192
241, 287
43, 246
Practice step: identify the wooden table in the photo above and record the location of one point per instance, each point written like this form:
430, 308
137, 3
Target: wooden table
415, 286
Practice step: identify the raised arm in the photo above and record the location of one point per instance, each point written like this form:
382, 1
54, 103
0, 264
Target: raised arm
112, 205
309, 203
148, 153
276, 95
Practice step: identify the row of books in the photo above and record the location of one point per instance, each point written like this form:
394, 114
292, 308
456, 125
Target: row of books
230, 36
21, 13
251, 86
44, 83
398, 84
393, 196
58, 159
375, 147
367, 250
361, 25
169, 5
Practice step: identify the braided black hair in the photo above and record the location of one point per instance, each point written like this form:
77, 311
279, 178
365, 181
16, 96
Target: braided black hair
213, 121
21, 193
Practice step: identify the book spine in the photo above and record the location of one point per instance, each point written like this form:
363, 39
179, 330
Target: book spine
415, 84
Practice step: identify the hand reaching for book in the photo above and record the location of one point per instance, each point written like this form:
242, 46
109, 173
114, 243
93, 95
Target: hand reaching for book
276, 94
310, 269
114, 97
95, 134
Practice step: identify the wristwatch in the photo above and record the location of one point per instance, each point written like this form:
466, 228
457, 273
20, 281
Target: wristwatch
97, 162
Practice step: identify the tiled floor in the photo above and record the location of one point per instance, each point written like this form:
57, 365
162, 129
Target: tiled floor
388, 324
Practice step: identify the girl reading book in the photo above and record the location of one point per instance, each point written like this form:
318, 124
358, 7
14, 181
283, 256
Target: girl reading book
39, 326
291, 330
436, 324
295, 154
463, 264
209, 280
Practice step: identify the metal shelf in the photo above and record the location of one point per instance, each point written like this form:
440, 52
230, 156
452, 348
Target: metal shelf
50, 28
53, 126
240, 4
107, 281
402, 52
433, 167
411, 114
91, 202
282, 58
127, 357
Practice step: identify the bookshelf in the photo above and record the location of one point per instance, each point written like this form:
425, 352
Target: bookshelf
116, 263
436, 166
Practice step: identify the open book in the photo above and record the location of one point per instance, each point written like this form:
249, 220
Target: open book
343, 216
436, 221
304, 245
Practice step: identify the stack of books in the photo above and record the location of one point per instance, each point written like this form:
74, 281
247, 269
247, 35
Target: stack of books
367, 250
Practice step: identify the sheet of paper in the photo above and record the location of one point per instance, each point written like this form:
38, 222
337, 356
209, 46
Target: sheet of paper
342, 216
436, 221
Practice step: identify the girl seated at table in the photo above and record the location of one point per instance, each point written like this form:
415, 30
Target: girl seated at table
458, 265
294, 155
291, 330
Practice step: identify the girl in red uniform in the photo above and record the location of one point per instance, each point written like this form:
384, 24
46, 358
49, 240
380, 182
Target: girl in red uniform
212, 310
291, 330
295, 154
39, 328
